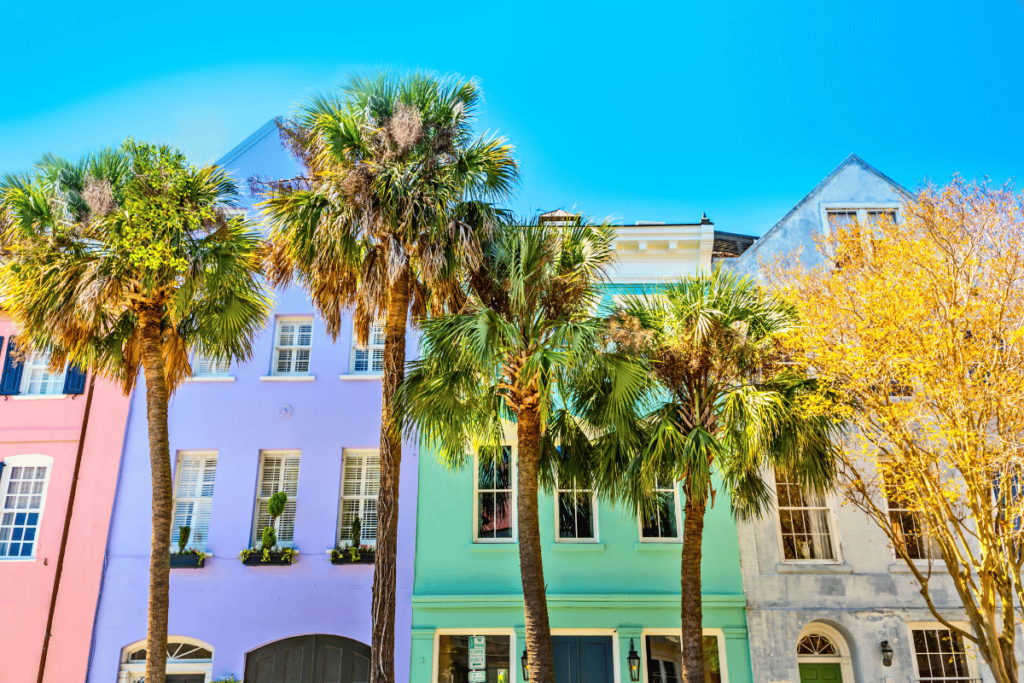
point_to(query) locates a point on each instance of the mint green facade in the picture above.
(617, 586)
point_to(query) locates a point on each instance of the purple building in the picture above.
(303, 417)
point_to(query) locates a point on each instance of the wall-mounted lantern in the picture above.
(634, 662)
(886, 653)
(526, 665)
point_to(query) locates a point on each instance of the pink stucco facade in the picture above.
(52, 426)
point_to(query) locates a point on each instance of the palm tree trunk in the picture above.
(692, 642)
(535, 601)
(382, 639)
(150, 319)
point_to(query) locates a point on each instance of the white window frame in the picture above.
(926, 539)
(594, 517)
(297, 320)
(833, 528)
(370, 347)
(515, 665)
(40, 361)
(198, 500)
(513, 470)
(257, 531)
(129, 672)
(970, 654)
(220, 373)
(861, 208)
(342, 538)
(26, 460)
(718, 633)
(679, 520)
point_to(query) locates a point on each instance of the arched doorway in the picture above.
(188, 661)
(823, 655)
(317, 658)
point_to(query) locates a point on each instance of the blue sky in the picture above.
(637, 111)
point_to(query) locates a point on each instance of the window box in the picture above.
(276, 557)
(194, 560)
(344, 556)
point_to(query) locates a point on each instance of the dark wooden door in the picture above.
(316, 658)
(583, 659)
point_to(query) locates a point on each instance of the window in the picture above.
(369, 360)
(841, 220)
(940, 655)
(805, 521)
(279, 471)
(495, 497)
(23, 490)
(204, 366)
(193, 497)
(359, 489)
(37, 380)
(291, 346)
(453, 658)
(663, 523)
(816, 645)
(187, 659)
(665, 659)
(576, 513)
(908, 528)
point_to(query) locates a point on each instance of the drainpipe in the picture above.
(67, 528)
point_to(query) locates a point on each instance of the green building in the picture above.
(612, 578)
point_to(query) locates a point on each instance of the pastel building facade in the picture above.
(824, 587)
(612, 578)
(301, 417)
(46, 433)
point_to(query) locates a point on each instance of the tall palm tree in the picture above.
(525, 349)
(129, 260)
(723, 399)
(386, 219)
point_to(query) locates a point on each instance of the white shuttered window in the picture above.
(369, 360)
(359, 487)
(291, 346)
(193, 497)
(279, 471)
(203, 366)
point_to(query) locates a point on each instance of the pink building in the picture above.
(50, 561)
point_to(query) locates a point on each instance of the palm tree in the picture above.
(129, 260)
(723, 398)
(384, 222)
(525, 349)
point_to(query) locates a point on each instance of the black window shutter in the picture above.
(10, 381)
(74, 380)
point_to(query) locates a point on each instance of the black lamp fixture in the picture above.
(634, 662)
(526, 665)
(886, 653)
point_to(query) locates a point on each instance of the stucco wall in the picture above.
(52, 427)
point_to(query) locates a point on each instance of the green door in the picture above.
(820, 673)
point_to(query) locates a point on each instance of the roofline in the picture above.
(846, 162)
(736, 234)
(242, 147)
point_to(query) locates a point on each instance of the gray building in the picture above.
(824, 588)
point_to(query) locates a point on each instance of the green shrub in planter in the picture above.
(356, 532)
(269, 537)
(183, 534)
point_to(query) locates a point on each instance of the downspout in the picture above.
(67, 529)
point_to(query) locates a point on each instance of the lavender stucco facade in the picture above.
(226, 608)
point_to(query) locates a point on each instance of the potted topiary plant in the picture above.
(268, 553)
(187, 558)
(354, 552)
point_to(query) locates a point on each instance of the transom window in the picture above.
(23, 488)
(815, 644)
(175, 651)
(576, 510)
(359, 489)
(495, 497)
(663, 523)
(369, 359)
(805, 521)
(941, 656)
(187, 660)
(291, 346)
(193, 497)
(279, 471)
(204, 366)
(36, 378)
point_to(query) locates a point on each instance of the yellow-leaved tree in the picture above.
(915, 331)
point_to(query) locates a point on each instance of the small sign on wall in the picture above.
(477, 653)
(477, 677)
